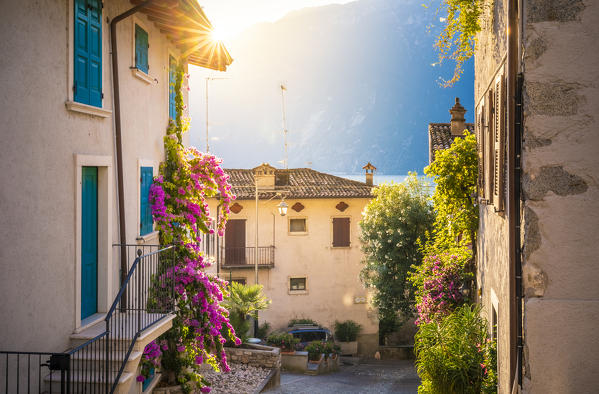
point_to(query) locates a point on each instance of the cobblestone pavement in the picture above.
(372, 376)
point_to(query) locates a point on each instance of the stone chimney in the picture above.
(370, 169)
(458, 122)
(264, 175)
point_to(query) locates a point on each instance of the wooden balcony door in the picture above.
(235, 242)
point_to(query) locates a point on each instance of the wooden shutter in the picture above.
(488, 125)
(141, 49)
(87, 78)
(480, 148)
(172, 69)
(341, 232)
(235, 242)
(145, 214)
(499, 141)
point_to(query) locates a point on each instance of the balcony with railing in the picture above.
(245, 257)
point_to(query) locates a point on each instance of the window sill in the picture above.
(142, 239)
(341, 247)
(137, 73)
(297, 292)
(293, 233)
(88, 109)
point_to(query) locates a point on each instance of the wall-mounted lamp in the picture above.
(282, 208)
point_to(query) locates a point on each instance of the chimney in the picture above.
(458, 123)
(264, 176)
(370, 169)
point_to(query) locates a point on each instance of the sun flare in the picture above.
(219, 34)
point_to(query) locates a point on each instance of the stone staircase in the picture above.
(88, 365)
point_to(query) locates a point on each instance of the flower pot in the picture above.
(349, 348)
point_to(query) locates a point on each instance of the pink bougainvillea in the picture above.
(179, 201)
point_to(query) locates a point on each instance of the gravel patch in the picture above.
(241, 378)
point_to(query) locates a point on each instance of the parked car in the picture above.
(307, 333)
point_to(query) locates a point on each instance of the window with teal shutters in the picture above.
(145, 214)
(87, 83)
(172, 76)
(141, 49)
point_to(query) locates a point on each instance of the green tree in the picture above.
(457, 40)
(392, 224)
(455, 172)
(242, 302)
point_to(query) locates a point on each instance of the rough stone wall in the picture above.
(560, 186)
(255, 357)
(492, 243)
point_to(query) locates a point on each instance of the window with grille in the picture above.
(297, 284)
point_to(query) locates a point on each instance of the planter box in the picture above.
(349, 348)
(295, 362)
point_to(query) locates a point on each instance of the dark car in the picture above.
(307, 333)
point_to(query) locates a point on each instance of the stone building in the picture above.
(87, 94)
(537, 100)
(309, 260)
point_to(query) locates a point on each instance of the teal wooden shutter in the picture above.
(172, 76)
(88, 52)
(141, 49)
(145, 214)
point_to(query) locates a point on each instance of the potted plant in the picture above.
(315, 351)
(283, 340)
(346, 333)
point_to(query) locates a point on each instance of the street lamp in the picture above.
(282, 208)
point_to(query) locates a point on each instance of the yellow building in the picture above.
(308, 260)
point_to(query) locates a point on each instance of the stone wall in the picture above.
(560, 210)
(255, 355)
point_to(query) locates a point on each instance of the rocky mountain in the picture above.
(361, 86)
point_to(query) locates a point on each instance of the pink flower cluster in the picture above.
(179, 202)
(150, 358)
(441, 291)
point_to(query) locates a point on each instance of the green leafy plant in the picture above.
(301, 320)
(315, 349)
(283, 340)
(347, 331)
(393, 222)
(263, 330)
(452, 355)
(244, 301)
(457, 40)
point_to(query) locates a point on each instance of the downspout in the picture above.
(513, 189)
(117, 133)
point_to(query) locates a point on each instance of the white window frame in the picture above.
(296, 233)
(70, 103)
(105, 271)
(297, 292)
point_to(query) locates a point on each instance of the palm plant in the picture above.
(242, 302)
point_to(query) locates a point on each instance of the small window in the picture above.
(241, 281)
(341, 232)
(141, 49)
(494, 324)
(145, 214)
(297, 284)
(297, 225)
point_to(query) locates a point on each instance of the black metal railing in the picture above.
(246, 256)
(97, 364)
(32, 372)
(149, 289)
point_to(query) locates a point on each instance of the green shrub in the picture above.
(283, 340)
(347, 331)
(263, 330)
(455, 356)
(301, 320)
(315, 349)
(243, 301)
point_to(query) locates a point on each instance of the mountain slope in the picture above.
(360, 82)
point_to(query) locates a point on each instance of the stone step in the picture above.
(83, 360)
(84, 383)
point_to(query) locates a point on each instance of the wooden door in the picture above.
(235, 242)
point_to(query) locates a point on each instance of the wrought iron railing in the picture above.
(246, 257)
(149, 289)
(96, 365)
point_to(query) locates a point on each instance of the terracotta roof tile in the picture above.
(440, 137)
(303, 183)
